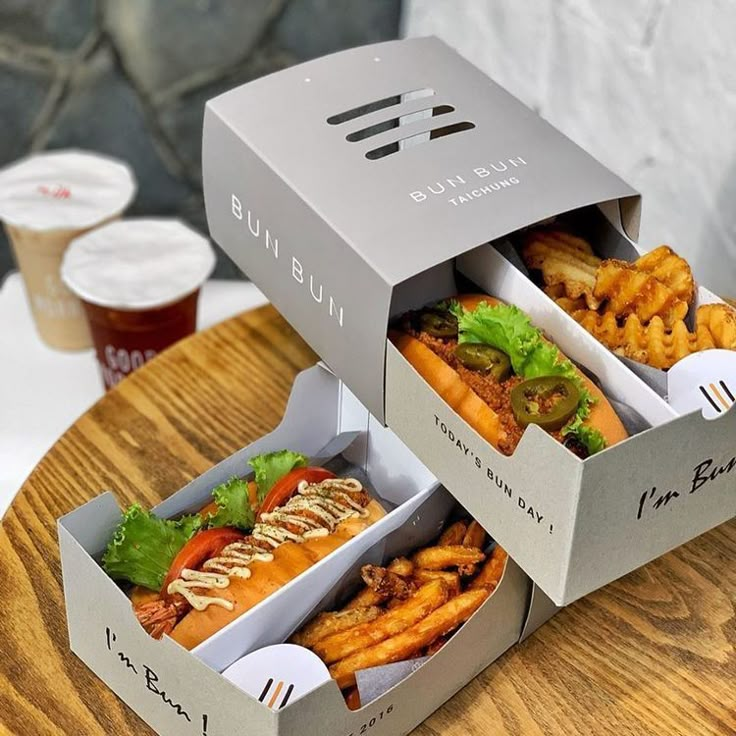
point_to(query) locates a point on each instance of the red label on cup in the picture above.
(56, 191)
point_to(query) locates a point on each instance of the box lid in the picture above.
(368, 167)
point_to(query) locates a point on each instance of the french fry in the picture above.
(402, 567)
(352, 699)
(409, 642)
(436, 645)
(414, 609)
(491, 572)
(392, 603)
(386, 583)
(439, 558)
(326, 624)
(451, 579)
(365, 598)
(453, 534)
(475, 537)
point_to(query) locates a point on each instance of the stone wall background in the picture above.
(646, 86)
(130, 78)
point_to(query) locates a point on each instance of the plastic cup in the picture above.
(46, 201)
(138, 281)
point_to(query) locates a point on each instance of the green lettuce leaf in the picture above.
(271, 466)
(507, 328)
(144, 546)
(589, 437)
(504, 327)
(233, 505)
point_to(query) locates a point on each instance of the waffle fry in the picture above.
(563, 260)
(627, 290)
(573, 241)
(654, 344)
(568, 304)
(333, 648)
(637, 309)
(669, 268)
(720, 321)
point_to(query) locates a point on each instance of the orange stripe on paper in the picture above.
(276, 693)
(720, 398)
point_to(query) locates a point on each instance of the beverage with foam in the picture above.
(47, 200)
(138, 281)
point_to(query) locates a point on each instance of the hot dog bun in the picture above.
(446, 381)
(450, 386)
(289, 560)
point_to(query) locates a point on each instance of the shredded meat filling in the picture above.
(496, 395)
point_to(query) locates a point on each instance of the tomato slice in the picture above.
(283, 489)
(198, 549)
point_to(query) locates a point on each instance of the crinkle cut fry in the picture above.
(563, 261)
(720, 321)
(669, 268)
(625, 291)
(654, 344)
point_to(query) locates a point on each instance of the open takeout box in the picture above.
(354, 187)
(182, 692)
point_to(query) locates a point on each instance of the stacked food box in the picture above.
(469, 277)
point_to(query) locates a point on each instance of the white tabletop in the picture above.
(42, 391)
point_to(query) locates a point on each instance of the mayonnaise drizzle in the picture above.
(195, 579)
(327, 503)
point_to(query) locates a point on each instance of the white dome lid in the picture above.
(64, 190)
(137, 263)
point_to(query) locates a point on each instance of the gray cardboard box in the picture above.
(181, 692)
(356, 186)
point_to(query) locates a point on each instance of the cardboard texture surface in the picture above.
(402, 203)
(181, 692)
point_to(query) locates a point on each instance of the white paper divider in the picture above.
(704, 381)
(278, 674)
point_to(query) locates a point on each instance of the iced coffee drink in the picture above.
(138, 281)
(46, 201)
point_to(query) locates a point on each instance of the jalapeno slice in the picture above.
(438, 324)
(485, 359)
(548, 401)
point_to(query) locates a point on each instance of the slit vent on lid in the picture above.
(385, 102)
(417, 139)
(411, 117)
